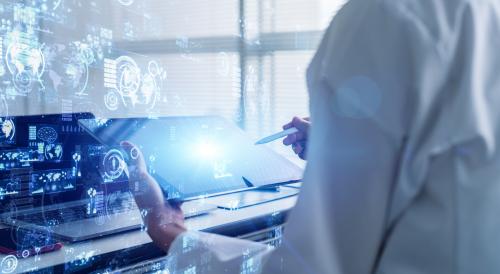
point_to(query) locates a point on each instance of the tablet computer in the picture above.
(193, 157)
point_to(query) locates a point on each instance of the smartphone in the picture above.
(26, 242)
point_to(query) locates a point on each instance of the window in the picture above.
(259, 83)
(244, 60)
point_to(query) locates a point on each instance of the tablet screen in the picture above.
(197, 156)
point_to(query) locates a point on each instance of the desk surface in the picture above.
(219, 221)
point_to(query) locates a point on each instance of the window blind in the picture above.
(283, 36)
(244, 60)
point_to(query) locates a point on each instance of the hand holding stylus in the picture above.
(277, 136)
(298, 140)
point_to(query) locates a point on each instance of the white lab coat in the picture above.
(403, 171)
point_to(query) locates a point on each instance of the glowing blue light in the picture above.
(206, 150)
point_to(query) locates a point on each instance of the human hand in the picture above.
(164, 221)
(298, 140)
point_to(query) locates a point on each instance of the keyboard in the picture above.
(72, 214)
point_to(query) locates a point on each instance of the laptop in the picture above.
(64, 173)
(55, 177)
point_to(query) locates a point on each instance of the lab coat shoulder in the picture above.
(465, 111)
(412, 68)
(438, 19)
(372, 59)
(399, 63)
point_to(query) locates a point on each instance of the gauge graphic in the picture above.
(154, 68)
(138, 89)
(23, 81)
(9, 264)
(129, 76)
(134, 153)
(113, 164)
(25, 254)
(112, 100)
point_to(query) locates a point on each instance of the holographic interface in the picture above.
(72, 71)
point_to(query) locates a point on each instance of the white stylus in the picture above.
(277, 136)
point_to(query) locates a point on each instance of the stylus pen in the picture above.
(277, 136)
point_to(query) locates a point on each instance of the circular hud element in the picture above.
(23, 82)
(113, 164)
(154, 68)
(138, 91)
(112, 100)
(25, 253)
(9, 264)
(26, 63)
(134, 153)
(129, 76)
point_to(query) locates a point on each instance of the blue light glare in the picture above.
(206, 150)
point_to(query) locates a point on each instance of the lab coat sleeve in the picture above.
(360, 83)
(209, 253)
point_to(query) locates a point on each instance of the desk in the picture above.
(129, 248)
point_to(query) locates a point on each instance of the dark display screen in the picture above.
(50, 159)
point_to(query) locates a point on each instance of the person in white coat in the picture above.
(403, 152)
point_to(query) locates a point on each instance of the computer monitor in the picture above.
(46, 160)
